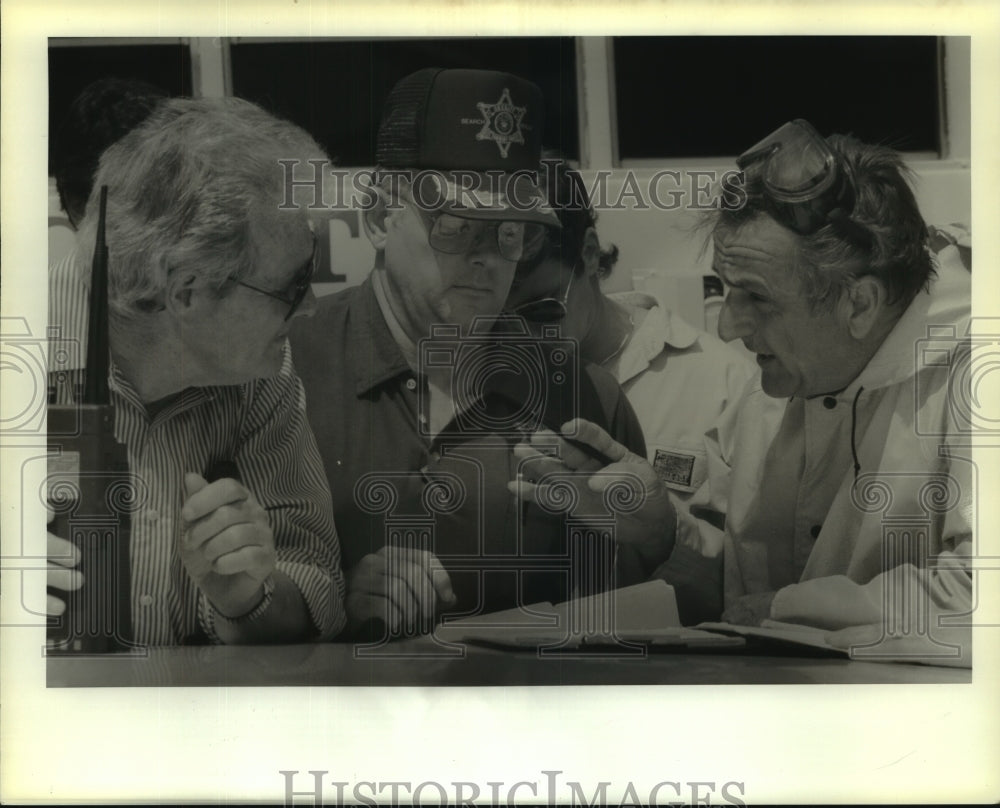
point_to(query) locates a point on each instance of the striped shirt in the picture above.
(260, 426)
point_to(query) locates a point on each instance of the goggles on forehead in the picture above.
(455, 235)
(801, 177)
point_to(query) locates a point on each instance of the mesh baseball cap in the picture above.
(447, 124)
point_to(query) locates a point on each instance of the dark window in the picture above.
(715, 96)
(73, 67)
(335, 89)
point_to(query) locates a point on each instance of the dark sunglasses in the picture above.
(801, 177)
(297, 290)
(456, 235)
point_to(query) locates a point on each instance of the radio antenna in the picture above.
(96, 390)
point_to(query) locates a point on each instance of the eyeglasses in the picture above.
(455, 235)
(547, 309)
(801, 177)
(297, 289)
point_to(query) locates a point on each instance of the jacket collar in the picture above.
(660, 328)
(938, 318)
(375, 356)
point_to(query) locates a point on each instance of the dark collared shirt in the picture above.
(393, 483)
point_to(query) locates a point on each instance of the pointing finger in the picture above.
(596, 438)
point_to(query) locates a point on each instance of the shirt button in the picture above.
(152, 515)
(146, 600)
(422, 418)
(829, 402)
(411, 384)
(814, 530)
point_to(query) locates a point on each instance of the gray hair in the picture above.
(186, 192)
(885, 236)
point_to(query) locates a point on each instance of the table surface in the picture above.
(421, 661)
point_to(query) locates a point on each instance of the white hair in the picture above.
(186, 191)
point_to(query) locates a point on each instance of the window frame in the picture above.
(211, 74)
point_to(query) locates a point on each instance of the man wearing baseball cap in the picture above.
(417, 392)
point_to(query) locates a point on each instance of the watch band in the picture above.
(255, 613)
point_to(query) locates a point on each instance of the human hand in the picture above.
(63, 556)
(400, 586)
(646, 517)
(227, 546)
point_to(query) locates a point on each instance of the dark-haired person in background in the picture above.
(100, 115)
(678, 379)
(859, 331)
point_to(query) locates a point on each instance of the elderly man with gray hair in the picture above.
(207, 270)
(849, 508)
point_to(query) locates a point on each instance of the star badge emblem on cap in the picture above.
(502, 122)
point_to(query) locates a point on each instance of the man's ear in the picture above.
(373, 220)
(183, 294)
(865, 303)
(590, 254)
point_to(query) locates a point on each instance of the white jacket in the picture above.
(803, 522)
(678, 380)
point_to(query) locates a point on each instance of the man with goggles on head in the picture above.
(457, 207)
(831, 284)
(678, 379)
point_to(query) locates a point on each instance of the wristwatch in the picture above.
(212, 614)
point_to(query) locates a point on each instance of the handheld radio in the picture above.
(91, 492)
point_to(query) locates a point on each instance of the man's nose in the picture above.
(484, 246)
(735, 321)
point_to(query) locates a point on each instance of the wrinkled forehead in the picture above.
(758, 245)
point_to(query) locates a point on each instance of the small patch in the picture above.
(674, 468)
(502, 122)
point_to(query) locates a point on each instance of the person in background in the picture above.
(860, 332)
(677, 379)
(417, 431)
(100, 115)
(206, 275)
